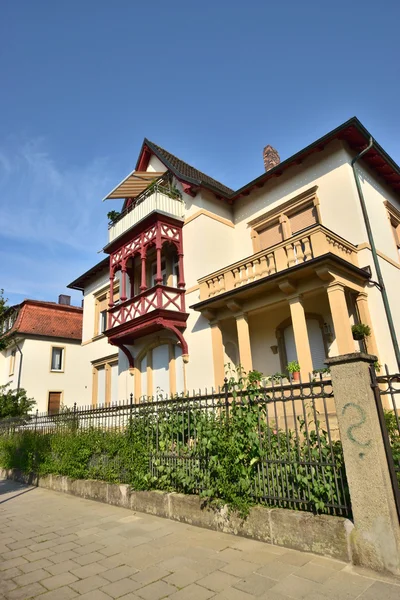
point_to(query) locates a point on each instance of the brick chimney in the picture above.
(64, 299)
(271, 158)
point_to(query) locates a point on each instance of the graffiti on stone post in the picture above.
(358, 424)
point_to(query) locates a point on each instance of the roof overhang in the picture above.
(357, 137)
(80, 283)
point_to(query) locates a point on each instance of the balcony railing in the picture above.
(155, 198)
(298, 249)
(157, 297)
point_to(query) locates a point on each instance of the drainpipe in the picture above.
(375, 256)
(20, 365)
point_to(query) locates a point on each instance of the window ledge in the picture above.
(98, 337)
(56, 370)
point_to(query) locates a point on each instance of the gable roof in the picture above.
(352, 132)
(183, 170)
(47, 319)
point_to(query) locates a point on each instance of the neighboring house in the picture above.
(276, 271)
(44, 353)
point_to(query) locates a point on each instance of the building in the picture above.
(201, 275)
(44, 353)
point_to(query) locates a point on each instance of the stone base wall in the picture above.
(320, 534)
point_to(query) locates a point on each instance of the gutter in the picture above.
(371, 240)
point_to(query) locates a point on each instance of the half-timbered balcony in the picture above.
(157, 298)
(157, 198)
(300, 248)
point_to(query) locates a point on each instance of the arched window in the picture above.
(160, 370)
(316, 339)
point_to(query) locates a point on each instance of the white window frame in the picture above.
(62, 366)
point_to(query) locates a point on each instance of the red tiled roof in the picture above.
(48, 319)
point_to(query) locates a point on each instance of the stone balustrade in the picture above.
(300, 248)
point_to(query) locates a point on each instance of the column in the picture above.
(340, 318)
(143, 285)
(111, 295)
(218, 354)
(123, 282)
(181, 280)
(365, 317)
(243, 333)
(158, 274)
(301, 340)
(375, 539)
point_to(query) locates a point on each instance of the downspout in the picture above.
(375, 256)
(20, 365)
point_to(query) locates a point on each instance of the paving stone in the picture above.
(182, 577)
(93, 547)
(254, 584)
(240, 568)
(33, 556)
(229, 555)
(88, 584)
(31, 577)
(296, 587)
(218, 581)
(59, 580)
(62, 593)
(13, 562)
(379, 589)
(88, 558)
(150, 575)
(6, 585)
(110, 550)
(232, 594)
(121, 587)
(336, 565)
(119, 573)
(192, 592)
(63, 567)
(28, 591)
(59, 558)
(43, 546)
(10, 573)
(95, 595)
(112, 561)
(345, 586)
(315, 572)
(156, 591)
(277, 570)
(87, 570)
(298, 559)
(15, 553)
(65, 547)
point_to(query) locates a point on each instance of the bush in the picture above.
(14, 403)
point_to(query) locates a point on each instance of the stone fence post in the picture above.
(375, 539)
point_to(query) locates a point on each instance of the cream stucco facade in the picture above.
(276, 273)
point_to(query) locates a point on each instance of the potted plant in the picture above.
(360, 331)
(293, 368)
(113, 216)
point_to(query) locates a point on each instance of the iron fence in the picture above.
(387, 395)
(282, 440)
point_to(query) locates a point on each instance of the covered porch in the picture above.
(303, 315)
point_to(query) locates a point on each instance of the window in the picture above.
(12, 362)
(57, 359)
(394, 218)
(54, 403)
(103, 321)
(396, 233)
(270, 235)
(175, 271)
(306, 217)
(105, 381)
(286, 220)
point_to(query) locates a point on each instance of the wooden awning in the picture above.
(133, 185)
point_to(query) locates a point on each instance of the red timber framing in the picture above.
(155, 307)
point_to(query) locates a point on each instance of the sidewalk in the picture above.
(57, 547)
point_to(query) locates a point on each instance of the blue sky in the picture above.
(82, 83)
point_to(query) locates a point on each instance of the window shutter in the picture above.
(270, 236)
(302, 219)
(316, 344)
(54, 403)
